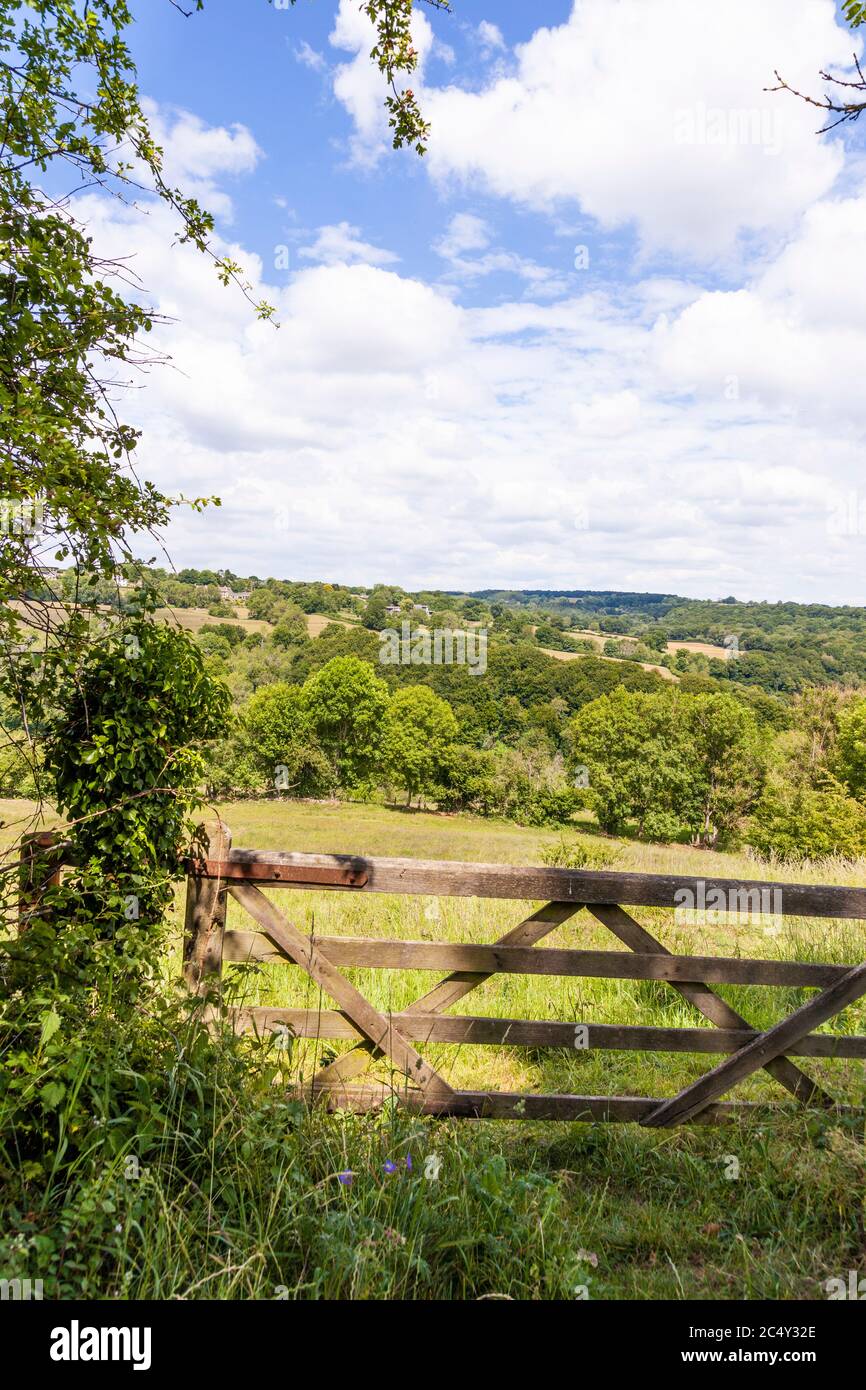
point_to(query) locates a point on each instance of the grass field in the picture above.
(517, 1209)
(194, 619)
(702, 648)
(317, 622)
(374, 830)
(657, 1209)
(645, 665)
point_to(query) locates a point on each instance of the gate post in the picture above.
(38, 870)
(205, 919)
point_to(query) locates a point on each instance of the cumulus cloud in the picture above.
(384, 431)
(198, 157)
(341, 244)
(655, 433)
(465, 232)
(792, 339)
(694, 154)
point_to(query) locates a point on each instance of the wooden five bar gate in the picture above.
(241, 874)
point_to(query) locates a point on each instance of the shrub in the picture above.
(794, 821)
(569, 852)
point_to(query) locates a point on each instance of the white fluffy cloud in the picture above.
(386, 432)
(199, 157)
(794, 338)
(341, 244)
(467, 236)
(659, 433)
(649, 113)
(465, 232)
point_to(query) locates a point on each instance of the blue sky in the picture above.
(603, 335)
(252, 71)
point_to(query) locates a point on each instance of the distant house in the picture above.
(229, 596)
(422, 608)
(393, 608)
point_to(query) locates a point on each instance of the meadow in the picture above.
(258, 1204)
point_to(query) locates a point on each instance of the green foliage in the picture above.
(547, 635)
(394, 52)
(168, 1149)
(469, 781)
(279, 742)
(546, 805)
(261, 603)
(375, 617)
(523, 783)
(784, 648)
(669, 763)
(418, 729)
(794, 821)
(230, 633)
(728, 753)
(291, 627)
(573, 852)
(121, 750)
(637, 755)
(68, 100)
(849, 754)
(18, 776)
(345, 703)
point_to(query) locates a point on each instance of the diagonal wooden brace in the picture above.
(756, 1054)
(710, 1004)
(376, 1027)
(449, 990)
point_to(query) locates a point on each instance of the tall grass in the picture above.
(215, 1183)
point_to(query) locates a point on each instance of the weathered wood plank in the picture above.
(422, 1026)
(288, 876)
(451, 878)
(638, 939)
(509, 1105)
(205, 920)
(452, 988)
(756, 1054)
(377, 1028)
(474, 958)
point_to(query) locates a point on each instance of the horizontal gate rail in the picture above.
(517, 1105)
(526, 1032)
(448, 878)
(225, 872)
(392, 1037)
(390, 954)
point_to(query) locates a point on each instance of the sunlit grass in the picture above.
(517, 1208)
